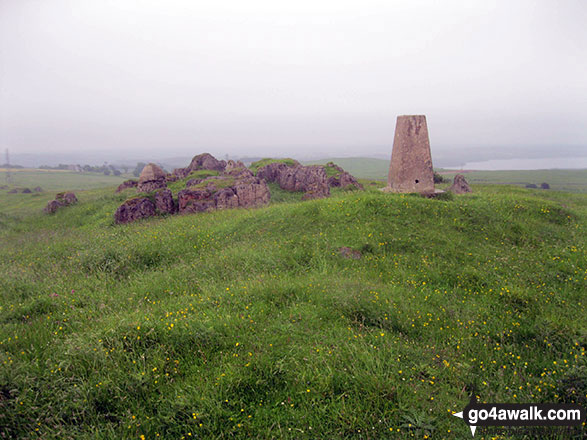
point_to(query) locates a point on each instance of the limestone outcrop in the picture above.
(339, 178)
(223, 192)
(232, 185)
(312, 180)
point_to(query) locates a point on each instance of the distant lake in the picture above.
(525, 164)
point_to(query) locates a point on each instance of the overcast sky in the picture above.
(283, 77)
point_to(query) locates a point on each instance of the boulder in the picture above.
(61, 199)
(135, 209)
(171, 177)
(272, 171)
(206, 161)
(195, 200)
(152, 178)
(342, 178)
(38, 189)
(226, 198)
(26, 191)
(252, 193)
(67, 198)
(164, 202)
(460, 185)
(53, 206)
(181, 173)
(312, 180)
(127, 184)
(237, 170)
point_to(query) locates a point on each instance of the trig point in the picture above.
(411, 163)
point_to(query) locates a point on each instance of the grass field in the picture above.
(250, 324)
(559, 180)
(59, 180)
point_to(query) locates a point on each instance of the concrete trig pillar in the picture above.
(411, 169)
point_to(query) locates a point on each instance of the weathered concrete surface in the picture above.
(411, 169)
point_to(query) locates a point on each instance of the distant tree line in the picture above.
(10, 165)
(105, 169)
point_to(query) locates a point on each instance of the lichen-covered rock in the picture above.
(312, 180)
(252, 193)
(224, 192)
(151, 179)
(127, 184)
(171, 177)
(340, 178)
(195, 200)
(135, 209)
(61, 199)
(226, 198)
(460, 185)
(67, 198)
(181, 173)
(164, 202)
(272, 171)
(53, 206)
(206, 161)
(237, 170)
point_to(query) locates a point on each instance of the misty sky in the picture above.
(272, 77)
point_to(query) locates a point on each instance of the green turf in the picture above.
(254, 167)
(250, 324)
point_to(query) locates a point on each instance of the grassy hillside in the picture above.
(250, 324)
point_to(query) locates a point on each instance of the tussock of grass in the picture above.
(250, 324)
